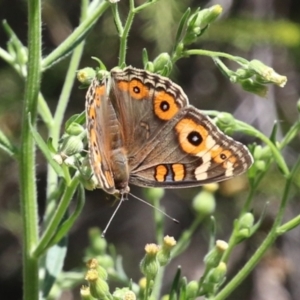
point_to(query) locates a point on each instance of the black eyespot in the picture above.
(136, 90)
(195, 138)
(164, 106)
(223, 156)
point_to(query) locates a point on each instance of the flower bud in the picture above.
(243, 74)
(262, 152)
(266, 74)
(69, 161)
(101, 74)
(164, 254)
(211, 187)
(71, 145)
(149, 66)
(75, 129)
(199, 21)
(124, 294)
(192, 289)
(149, 265)
(155, 193)
(86, 75)
(245, 224)
(246, 221)
(226, 122)
(98, 244)
(163, 64)
(98, 287)
(85, 293)
(260, 165)
(93, 264)
(58, 158)
(204, 203)
(254, 87)
(91, 183)
(217, 275)
(143, 283)
(213, 257)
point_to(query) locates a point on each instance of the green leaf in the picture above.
(182, 25)
(175, 284)
(77, 118)
(45, 150)
(50, 145)
(54, 263)
(67, 225)
(6, 145)
(145, 57)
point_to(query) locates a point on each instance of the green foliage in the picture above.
(69, 172)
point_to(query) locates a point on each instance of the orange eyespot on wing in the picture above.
(193, 138)
(220, 155)
(165, 106)
(135, 88)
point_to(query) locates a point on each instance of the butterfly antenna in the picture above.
(113, 215)
(149, 204)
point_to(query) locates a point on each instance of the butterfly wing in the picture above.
(102, 130)
(187, 151)
(144, 102)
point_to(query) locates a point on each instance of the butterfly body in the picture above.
(142, 130)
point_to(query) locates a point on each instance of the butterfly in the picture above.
(143, 131)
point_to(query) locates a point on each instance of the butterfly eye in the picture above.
(195, 138)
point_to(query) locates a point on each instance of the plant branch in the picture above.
(28, 196)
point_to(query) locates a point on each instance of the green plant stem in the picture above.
(276, 154)
(57, 217)
(117, 19)
(78, 34)
(124, 34)
(28, 195)
(44, 111)
(158, 283)
(291, 134)
(289, 225)
(237, 59)
(246, 206)
(6, 56)
(269, 240)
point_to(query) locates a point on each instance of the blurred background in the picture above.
(266, 30)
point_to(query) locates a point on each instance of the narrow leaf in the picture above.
(44, 148)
